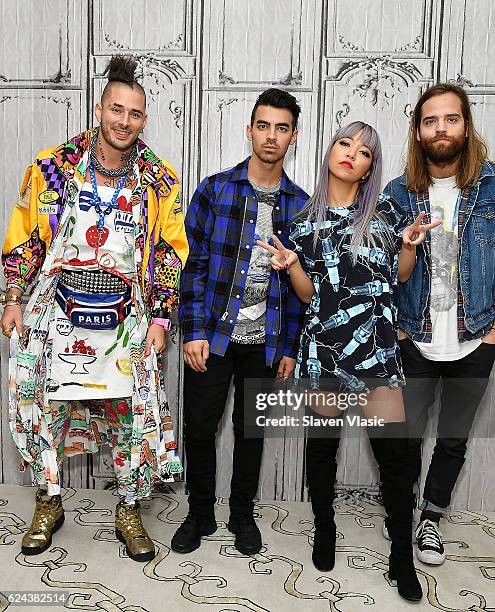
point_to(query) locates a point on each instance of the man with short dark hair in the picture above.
(446, 308)
(100, 216)
(239, 318)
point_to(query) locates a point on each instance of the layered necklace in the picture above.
(104, 208)
(111, 172)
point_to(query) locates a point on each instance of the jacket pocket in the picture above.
(483, 219)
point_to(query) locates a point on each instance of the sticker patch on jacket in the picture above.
(47, 209)
(48, 196)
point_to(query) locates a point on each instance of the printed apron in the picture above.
(94, 363)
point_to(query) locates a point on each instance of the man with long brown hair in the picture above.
(446, 309)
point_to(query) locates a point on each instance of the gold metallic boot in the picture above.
(48, 517)
(129, 529)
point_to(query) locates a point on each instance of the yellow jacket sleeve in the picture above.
(24, 248)
(170, 252)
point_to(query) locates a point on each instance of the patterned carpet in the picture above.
(90, 566)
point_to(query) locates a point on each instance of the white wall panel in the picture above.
(41, 47)
(259, 44)
(381, 26)
(478, 42)
(163, 26)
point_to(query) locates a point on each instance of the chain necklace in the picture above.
(111, 172)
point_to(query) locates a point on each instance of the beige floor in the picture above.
(91, 568)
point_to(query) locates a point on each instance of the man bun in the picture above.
(121, 68)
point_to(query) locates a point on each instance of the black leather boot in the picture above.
(321, 469)
(397, 492)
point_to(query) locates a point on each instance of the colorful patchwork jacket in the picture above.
(44, 190)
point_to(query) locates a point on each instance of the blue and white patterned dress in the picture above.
(349, 337)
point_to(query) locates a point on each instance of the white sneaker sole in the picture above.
(385, 532)
(430, 557)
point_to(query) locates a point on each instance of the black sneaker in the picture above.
(188, 537)
(247, 534)
(430, 546)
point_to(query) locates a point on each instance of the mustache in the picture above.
(440, 137)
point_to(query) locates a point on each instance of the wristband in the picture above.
(165, 323)
(11, 298)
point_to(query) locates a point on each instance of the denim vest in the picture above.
(476, 260)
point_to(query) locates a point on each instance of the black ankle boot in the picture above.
(324, 548)
(321, 468)
(397, 492)
(404, 572)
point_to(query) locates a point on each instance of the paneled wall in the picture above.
(203, 64)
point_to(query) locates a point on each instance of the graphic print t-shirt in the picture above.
(117, 241)
(250, 324)
(445, 346)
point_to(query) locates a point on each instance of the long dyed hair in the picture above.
(366, 197)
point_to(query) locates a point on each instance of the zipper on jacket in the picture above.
(226, 313)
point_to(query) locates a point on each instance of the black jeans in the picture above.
(205, 394)
(464, 382)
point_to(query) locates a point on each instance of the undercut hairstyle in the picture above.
(278, 98)
(121, 69)
(315, 209)
(472, 157)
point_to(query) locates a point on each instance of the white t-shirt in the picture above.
(444, 198)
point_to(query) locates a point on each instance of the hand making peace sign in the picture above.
(415, 234)
(282, 258)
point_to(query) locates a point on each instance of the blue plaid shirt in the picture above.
(220, 224)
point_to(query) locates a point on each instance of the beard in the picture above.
(446, 152)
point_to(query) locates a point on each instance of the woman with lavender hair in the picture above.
(350, 245)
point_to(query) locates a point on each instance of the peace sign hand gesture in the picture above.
(282, 258)
(414, 234)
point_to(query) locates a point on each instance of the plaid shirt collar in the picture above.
(240, 174)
